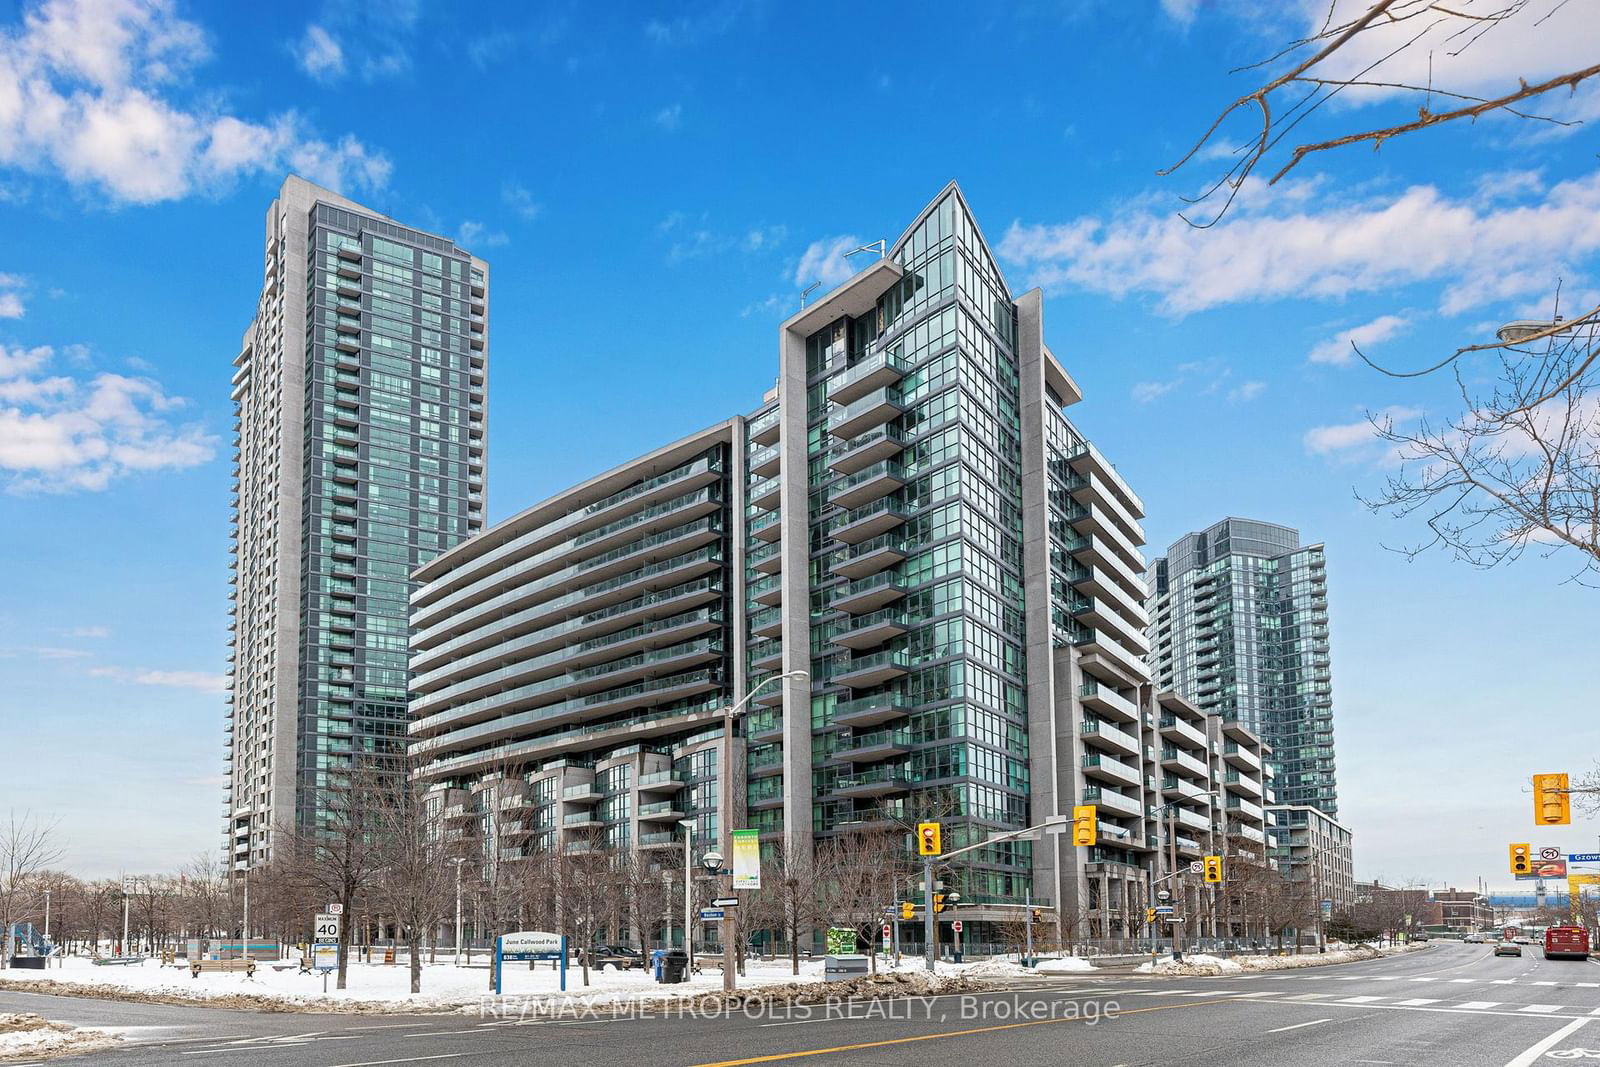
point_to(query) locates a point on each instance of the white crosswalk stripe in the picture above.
(1417, 1002)
(1207, 993)
(1358, 1000)
(1536, 983)
(1595, 1012)
(1540, 1009)
(1453, 981)
(1388, 978)
(1587, 985)
(1502, 981)
(1422, 979)
(1311, 996)
(1479, 1004)
(1266, 993)
(1349, 977)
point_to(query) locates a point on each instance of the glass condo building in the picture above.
(909, 518)
(1240, 626)
(359, 427)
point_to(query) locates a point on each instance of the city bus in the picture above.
(1566, 942)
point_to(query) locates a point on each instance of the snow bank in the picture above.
(1193, 963)
(32, 1037)
(1066, 965)
(1201, 964)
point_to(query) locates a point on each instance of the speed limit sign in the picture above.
(1548, 853)
(326, 928)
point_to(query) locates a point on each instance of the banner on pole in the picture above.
(747, 859)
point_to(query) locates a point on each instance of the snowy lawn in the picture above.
(379, 987)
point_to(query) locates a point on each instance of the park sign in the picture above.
(529, 945)
(325, 957)
(747, 859)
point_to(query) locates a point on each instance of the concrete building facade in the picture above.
(1239, 625)
(1311, 847)
(910, 519)
(358, 396)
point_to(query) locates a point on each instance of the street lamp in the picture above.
(458, 861)
(1171, 829)
(688, 890)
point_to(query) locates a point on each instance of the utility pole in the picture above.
(124, 916)
(458, 861)
(1027, 922)
(930, 926)
(1172, 871)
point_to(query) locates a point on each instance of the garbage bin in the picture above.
(675, 966)
(657, 956)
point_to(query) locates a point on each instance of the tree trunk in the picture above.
(345, 935)
(414, 945)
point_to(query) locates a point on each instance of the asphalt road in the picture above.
(1451, 1004)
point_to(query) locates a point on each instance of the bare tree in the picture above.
(869, 870)
(1519, 469)
(416, 881)
(206, 894)
(793, 898)
(27, 849)
(588, 884)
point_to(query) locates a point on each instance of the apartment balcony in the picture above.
(582, 820)
(581, 794)
(868, 521)
(1238, 782)
(1111, 769)
(350, 271)
(765, 462)
(347, 345)
(1108, 702)
(1250, 833)
(349, 286)
(871, 556)
(875, 745)
(767, 623)
(1235, 728)
(1247, 808)
(766, 591)
(1193, 820)
(764, 428)
(763, 799)
(763, 726)
(1105, 735)
(766, 493)
(1091, 462)
(766, 763)
(874, 783)
(1107, 659)
(662, 782)
(1111, 800)
(868, 594)
(847, 457)
(877, 817)
(766, 655)
(1182, 729)
(872, 629)
(871, 709)
(767, 526)
(1188, 846)
(661, 811)
(350, 254)
(862, 672)
(874, 409)
(765, 557)
(859, 379)
(661, 841)
(871, 483)
(1099, 614)
(1175, 759)
(342, 532)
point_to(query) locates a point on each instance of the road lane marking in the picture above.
(1161, 992)
(1385, 978)
(1479, 1004)
(1209, 993)
(1423, 979)
(1530, 1055)
(1540, 1009)
(1502, 981)
(1358, 1000)
(1296, 1026)
(1595, 1012)
(1417, 1002)
(804, 1053)
(1350, 978)
(1544, 983)
(1311, 996)
(1587, 985)
(407, 1059)
(1274, 993)
(1468, 981)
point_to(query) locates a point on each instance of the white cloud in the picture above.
(320, 54)
(474, 234)
(89, 631)
(1246, 392)
(1182, 11)
(11, 286)
(823, 261)
(1348, 437)
(521, 201)
(93, 91)
(668, 118)
(1145, 392)
(200, 680)
(1301, 238)
(1337, 349)
(60, 433)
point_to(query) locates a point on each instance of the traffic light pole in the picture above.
(930, 922)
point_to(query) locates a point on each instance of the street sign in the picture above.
(712, 914)
(1195, 866)
(325, 957)
(1174, 919)
(725, 902)
(1549, 852)
(1165, 909)
(956, 926)
(1164, 895)
(1584, 857)
(335, 909)
(326, 928)
(529, 945)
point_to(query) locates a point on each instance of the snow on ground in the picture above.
(31, 1037)
(1195, 963)
(1065, 965)
(379, 987)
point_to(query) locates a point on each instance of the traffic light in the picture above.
(1213, 868)
(1084, 830)
(1038, 915)
(938, 903)
(1552, 805)
(1520, 860)
(908, 910)
(928, 839)
(1149, 916)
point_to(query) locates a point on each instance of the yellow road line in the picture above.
(934, 1037)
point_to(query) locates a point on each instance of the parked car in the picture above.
(622, 957)
(1507, 948)
(1473, 939)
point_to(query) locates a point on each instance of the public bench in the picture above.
(197, 967)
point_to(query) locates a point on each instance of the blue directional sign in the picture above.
(708, 914)
(1584, 857)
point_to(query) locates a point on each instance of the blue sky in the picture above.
(652, 188)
